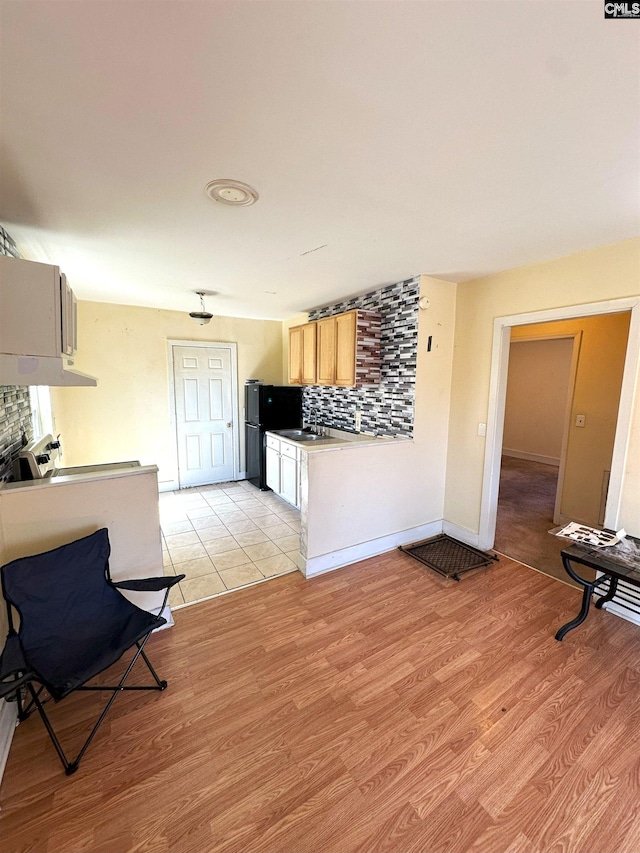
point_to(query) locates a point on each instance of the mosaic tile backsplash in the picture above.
(387, 408)
(15, 407)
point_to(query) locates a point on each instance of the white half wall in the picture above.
(8, 719)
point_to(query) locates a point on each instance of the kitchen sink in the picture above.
(303, 435)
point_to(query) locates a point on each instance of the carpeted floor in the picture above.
(525, 515)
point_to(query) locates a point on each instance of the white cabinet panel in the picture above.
(289, 479)
(289, 450)
(283, 470)
(273, 442)
(273, 469)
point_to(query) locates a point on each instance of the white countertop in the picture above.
(339, 440)
(91, 477)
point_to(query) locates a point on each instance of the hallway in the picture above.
(525, 516)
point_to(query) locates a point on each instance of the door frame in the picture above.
(497, 395)
(235, 430)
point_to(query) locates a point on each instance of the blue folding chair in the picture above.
(73, 625)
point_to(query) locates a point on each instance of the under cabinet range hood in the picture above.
(39, 370)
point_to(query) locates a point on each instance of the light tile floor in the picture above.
(224, 537)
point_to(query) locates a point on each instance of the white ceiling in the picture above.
(385, 139)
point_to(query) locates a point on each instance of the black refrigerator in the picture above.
(267, 407)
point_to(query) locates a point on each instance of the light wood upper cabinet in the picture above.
(342, 350)
(326, 373)
(295, 355)
(302, 354)
(346, 326)
(309, 339)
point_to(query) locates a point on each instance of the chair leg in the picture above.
(74, 764)
(70, 767)
(161, 684)
(22, 715)
(54, 738)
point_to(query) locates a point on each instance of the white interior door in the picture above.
(204, 410)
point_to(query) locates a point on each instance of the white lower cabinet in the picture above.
(273, 466)
(289, 474)
(283, 469)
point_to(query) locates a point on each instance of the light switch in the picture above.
(482, 429)
(580, 419)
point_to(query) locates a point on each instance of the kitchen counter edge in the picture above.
(48, 482)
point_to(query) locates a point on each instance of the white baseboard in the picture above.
(462, 534)
(629, 593)
(8, 717)
(344, 557)
(531, 457)
(629, 615)
(166, 613)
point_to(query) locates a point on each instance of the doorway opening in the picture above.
(540, 388)
(577, 503)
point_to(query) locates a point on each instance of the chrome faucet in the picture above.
(318, 430)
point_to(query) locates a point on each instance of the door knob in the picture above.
(229, 425)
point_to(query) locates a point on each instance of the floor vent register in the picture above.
(447, 556)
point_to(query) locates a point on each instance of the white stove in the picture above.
(39, 459)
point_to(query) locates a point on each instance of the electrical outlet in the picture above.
(358, 420)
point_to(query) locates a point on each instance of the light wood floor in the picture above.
(377, 708)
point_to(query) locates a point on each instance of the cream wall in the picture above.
(128, 415)
(596, 394)
(535, 407)
(602, 274)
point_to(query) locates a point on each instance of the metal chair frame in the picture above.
(20, 687)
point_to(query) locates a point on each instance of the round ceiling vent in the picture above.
(228, 191)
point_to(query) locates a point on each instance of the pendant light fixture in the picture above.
(202, 317)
